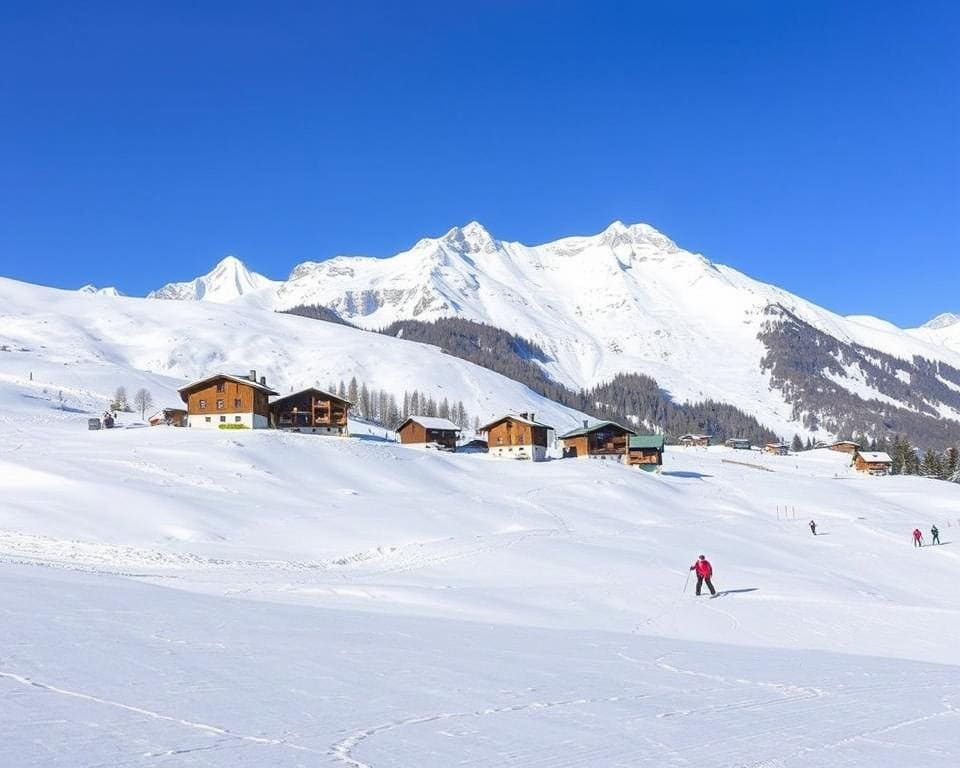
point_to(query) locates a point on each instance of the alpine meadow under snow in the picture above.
(201, 598)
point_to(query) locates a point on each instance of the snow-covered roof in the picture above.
(875, 457)
(694, 437)
(322, 392)
(432, 422)
(587, 429)
(229, 377)
(522, 418)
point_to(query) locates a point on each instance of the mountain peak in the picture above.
(943, 320)
(229, 279)
(472, 237)
(108, 291)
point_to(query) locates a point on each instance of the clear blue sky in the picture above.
(815, 145)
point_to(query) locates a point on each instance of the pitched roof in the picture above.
(875, 457)
(431, 422)
(319, 391)
(228, 377)
(515, 417)
(694, 437)
(594, 427)
(647, 441)
(845, 442)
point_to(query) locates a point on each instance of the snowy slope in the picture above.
(944, 329)
(109, 291)
(227, 281)
(291, 600)
(84, 346)
(625, 300)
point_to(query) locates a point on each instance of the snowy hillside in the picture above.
(84, 346)
(289, 600)
(625, 300)
(944, 329)
(227, 281)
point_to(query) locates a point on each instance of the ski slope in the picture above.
(175, 597)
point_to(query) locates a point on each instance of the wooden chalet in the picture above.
(171, 417)
(872, 462)
(694, 441)
(429, 431)
(228, 402)
(845, 446)
(646, 452)
(601, 440)
(738, 444)
(311, 410)
(778, 449)
(517, 436)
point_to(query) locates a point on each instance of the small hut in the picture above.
(845, 446)
(171, 417)
(646, 452)
(777, 449)
(694, 441)
(872, 462)
(738, 444)
(311, 410)
(429, 431)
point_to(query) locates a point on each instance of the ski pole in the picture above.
(686, 583)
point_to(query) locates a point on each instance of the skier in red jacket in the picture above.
(917, 537)
(704, 572)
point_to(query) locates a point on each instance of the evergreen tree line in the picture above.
(384, 409)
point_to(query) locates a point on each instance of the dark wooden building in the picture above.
(694, 441)
(228, 402)
(311, 410)
(646, 452)
(518, 436)
(845, 446)
(171, 417)
(429, 431)
(601, 440)
(738, 444)
(872, 462)
(778, 449)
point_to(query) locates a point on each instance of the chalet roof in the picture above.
(322, 392)
(694, 437)
(594, 427)
(515, 417)
(431, 422)
(875, 457)
(846, 442)
(776, 445)
(187, 388)
(647, 441)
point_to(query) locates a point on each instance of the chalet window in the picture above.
(219, 405)
(237, 418)
(203, 405)
(237, 402)
(223, 418)
(206, 419)
(220, 386)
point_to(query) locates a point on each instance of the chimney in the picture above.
(584, 423)
(532, 414)
(263, 381)
(524, 415)
(253, 376)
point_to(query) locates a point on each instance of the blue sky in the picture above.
(815, 145)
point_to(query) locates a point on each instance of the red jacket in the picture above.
(703, 568)
(917, 534)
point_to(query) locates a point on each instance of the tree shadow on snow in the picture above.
(693, 475)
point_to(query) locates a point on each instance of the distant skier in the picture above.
(813, 527)
(704, 572)
(917, 538)
(935, 535)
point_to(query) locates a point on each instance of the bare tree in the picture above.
(143, 400)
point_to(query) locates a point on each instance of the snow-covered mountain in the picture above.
(630, 300)
(108, 291)
(61, 348)
(227, 281)
(944, 329)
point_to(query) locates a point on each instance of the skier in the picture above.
(813, 527)
(704, 571)
(917, 538)
(935, 535)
